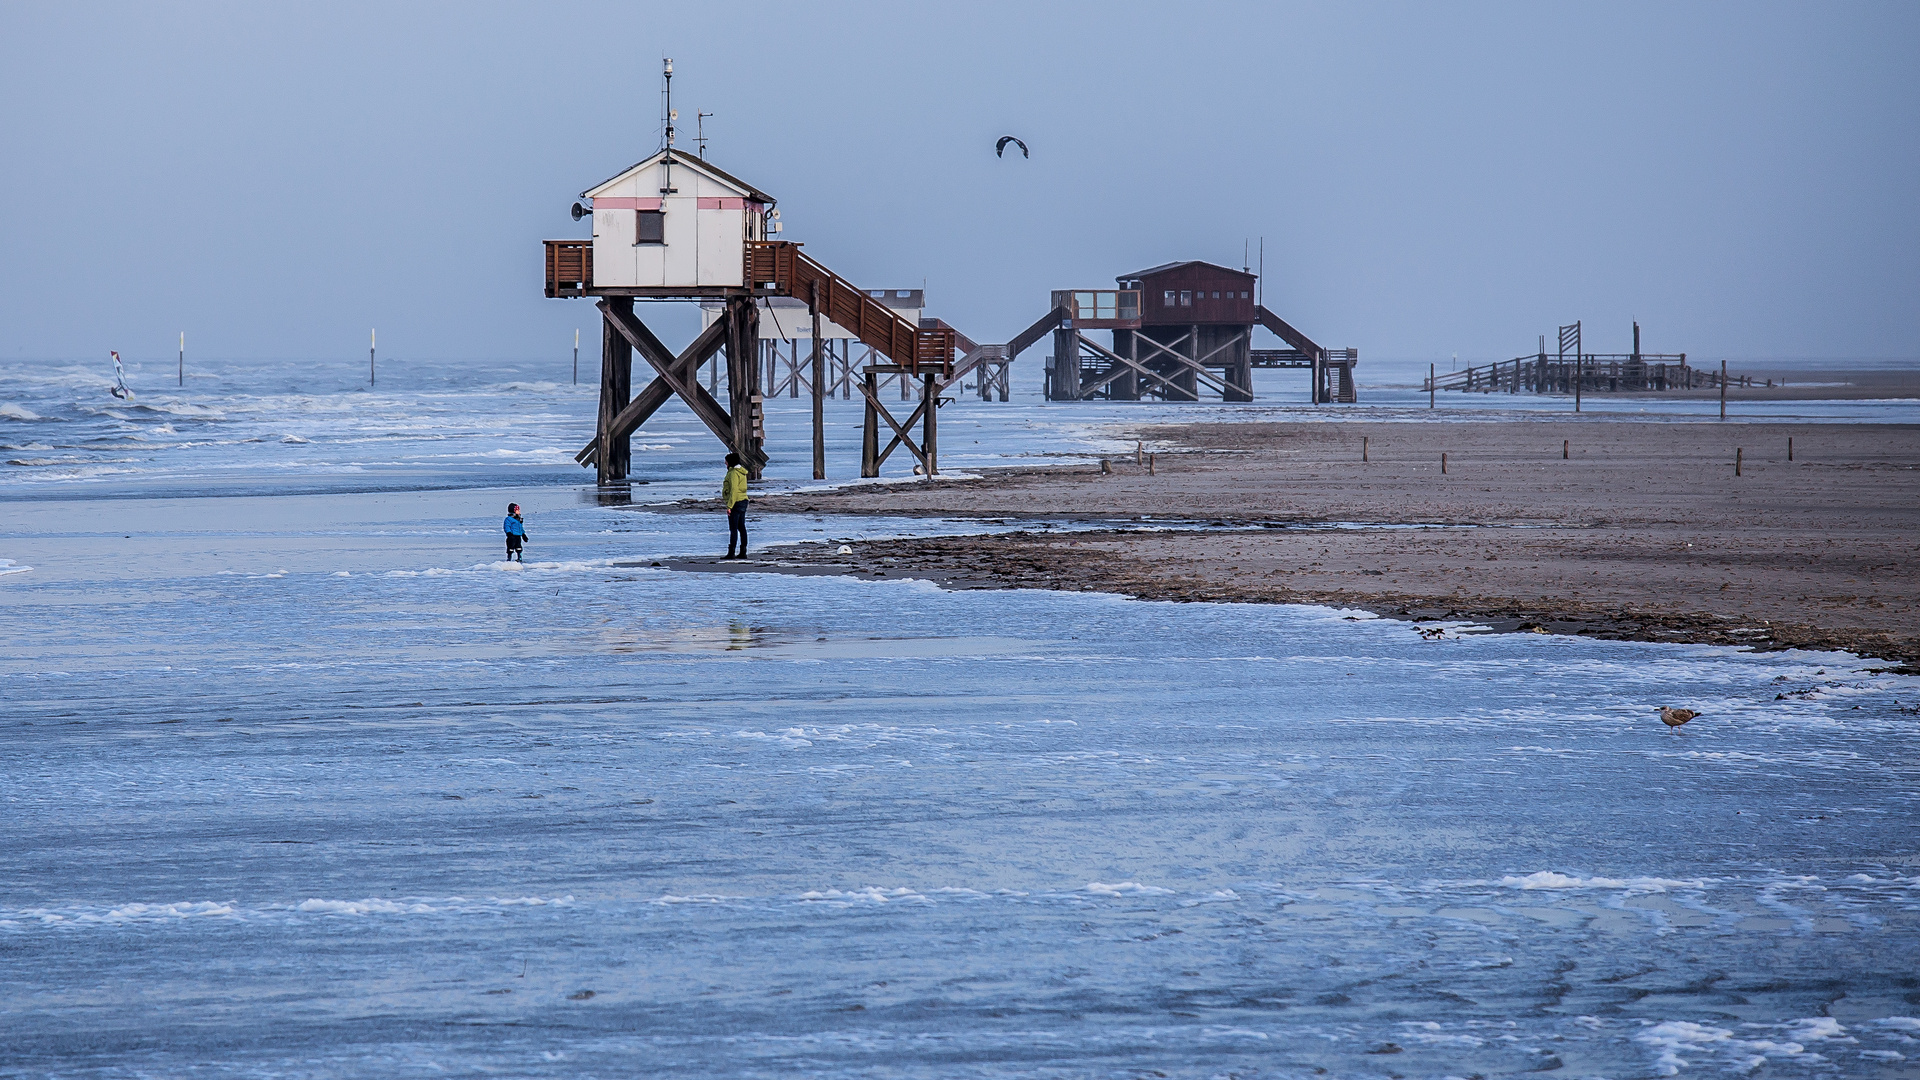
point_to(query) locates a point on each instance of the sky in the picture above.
(1428, 179)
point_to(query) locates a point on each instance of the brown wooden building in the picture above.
(1179, 329)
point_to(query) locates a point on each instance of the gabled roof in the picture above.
(689, 162)
(1164, 267)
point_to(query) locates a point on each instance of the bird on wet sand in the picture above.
(1673, 717)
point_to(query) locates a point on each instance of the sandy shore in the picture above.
(1642, 531)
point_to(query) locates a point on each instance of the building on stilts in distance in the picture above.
(1180, 330)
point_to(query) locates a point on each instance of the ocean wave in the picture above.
(185, 911)
(1548, 879)
(18, 412)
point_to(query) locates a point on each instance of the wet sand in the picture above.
(1642, 531)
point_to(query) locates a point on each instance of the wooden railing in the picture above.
(569, 267)
(779, 268)
(1551, 373)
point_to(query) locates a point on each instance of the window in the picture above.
(1186, 298)
(1216, 294)
(650, 227)
(1169, 298)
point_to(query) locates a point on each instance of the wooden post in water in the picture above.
(929, 426)
(372, 337)
(870, 430)
(1723, 389)
(183, 359)
(1430, 370)
(576, 356)
(819, 390)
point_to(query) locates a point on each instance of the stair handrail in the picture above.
(780, 268)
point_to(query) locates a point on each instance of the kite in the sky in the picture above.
(1000, 148)
(120, 389)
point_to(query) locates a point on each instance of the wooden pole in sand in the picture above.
(1443, 463)
(929, 422)
(1789, 446)
(1363, 448)
(1723, 389)
(819, 390)
(1738, 453)
(1430, 371)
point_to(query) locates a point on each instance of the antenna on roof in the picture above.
(666, 94)
(700, 131)
(667, 115)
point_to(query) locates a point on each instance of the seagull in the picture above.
(1673, 717)
(1000, 148)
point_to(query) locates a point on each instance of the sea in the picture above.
(301, 779)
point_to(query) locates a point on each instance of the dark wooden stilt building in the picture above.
(1181, 331)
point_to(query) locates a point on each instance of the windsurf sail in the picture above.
(120, 388)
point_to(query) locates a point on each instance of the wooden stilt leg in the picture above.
(743, 374)
(615, 457)
(870, 431)
(929, 427)
(819, 391)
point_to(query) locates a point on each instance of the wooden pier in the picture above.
(1572, 371)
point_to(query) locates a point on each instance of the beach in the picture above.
(1641, 530)
(305, 779)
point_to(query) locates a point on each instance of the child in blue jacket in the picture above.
(516, 529)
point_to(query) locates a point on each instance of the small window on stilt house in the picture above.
(650, 227)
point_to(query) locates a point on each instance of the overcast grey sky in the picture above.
(277, 178)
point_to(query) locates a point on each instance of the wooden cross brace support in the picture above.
(1123, 364)
(676, 376)
(900, 436)
(1197, 366)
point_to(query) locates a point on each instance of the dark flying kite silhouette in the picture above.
(1000, 148)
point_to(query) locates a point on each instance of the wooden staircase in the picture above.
(780, 268)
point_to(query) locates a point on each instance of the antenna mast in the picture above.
(700, 131)
(666, 94)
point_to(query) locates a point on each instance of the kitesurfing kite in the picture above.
(120, 389)
(1000, 148)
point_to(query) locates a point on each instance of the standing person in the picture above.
(516, 528)
(733, 492)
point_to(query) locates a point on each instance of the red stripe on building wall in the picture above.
(626, 204)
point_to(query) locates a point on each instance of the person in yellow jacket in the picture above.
(733, 492)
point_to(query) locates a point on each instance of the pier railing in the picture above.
(569, 267)
(1550, 373)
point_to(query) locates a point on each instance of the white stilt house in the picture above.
(674, 227)
(674, 222)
